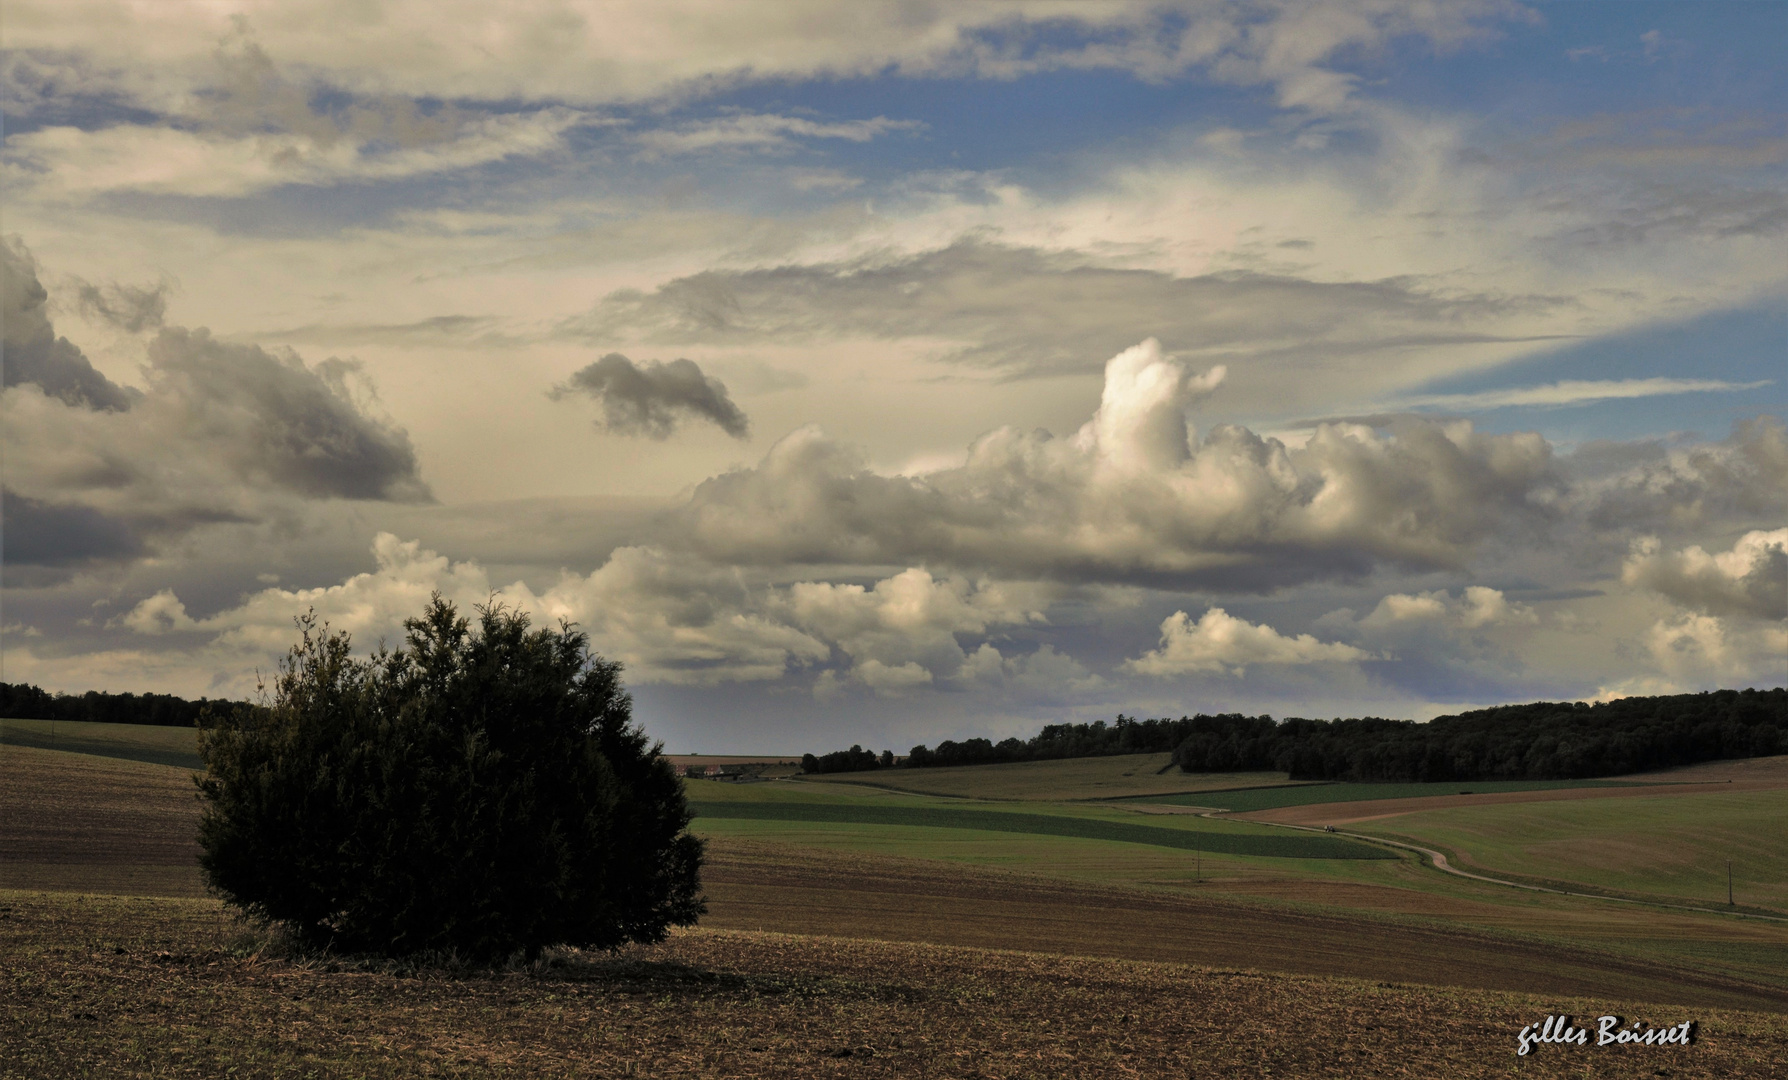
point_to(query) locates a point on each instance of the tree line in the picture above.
(22, 701)
(1539, 741)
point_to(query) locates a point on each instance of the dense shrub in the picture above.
(480, 792)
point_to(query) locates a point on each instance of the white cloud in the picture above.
(1577, 392)
(67, 161)
(160, 614)
(1659, 487)
(1476, 607)
(588, 51)
(1132, 496)
(670, 619)
(759, 131)
(1703, 650)
(1219, 641)
(1749, 580)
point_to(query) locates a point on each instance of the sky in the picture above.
(886, 373)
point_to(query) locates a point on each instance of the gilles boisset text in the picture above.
(1558, 1029)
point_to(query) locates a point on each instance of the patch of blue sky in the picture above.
(1052, 131)
(1742, 347)
(1593, 58)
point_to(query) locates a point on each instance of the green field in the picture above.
(134, 742)
(1671, 847)
(1116, 777)
(1272, 798)
(1265, 844)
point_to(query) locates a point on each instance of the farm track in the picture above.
(1439, 862)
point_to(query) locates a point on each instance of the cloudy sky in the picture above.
(886, 373)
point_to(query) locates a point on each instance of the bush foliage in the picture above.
(479, 792)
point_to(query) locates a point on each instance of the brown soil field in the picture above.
(110, 987)
(1772, 770)
(771, 887)
(1346, 813)
(76, 821)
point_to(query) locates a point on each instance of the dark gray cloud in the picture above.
(33, 354)
(652, 399)
(100, 475)
(39, 533)
(132, 308)
(1021, 311)
(282, 423)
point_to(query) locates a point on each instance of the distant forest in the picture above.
(22, 701)
(1541, 741)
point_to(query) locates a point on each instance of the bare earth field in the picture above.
(115, 987)
(76, 821)
(777, 888)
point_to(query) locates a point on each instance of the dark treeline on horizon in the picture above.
(22, 701)
(1539, 741)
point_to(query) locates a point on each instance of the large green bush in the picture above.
(477, 791)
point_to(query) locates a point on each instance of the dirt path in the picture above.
(1440, 863)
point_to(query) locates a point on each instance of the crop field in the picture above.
(1115, 777)
(133, 742)
(1272, 798)
(1674, 846)
(1283, 846)
(106, 986)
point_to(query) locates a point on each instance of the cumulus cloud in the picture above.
(677, 620)
(1653, 486)
(653, 398)
(1750, 580)
(1705, 650)
(902, 631)
(1476, 607)
(1220, 642)
(160, 614)
(223, 432)
(34, 355)
(1132, 496)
